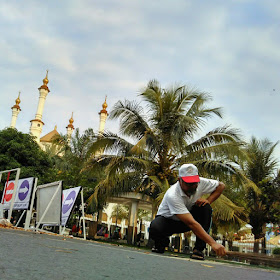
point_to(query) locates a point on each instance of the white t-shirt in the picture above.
(175, 201)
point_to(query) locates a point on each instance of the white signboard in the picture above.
(69, 197)
(1, 211)
(23, 194)
(49, 203)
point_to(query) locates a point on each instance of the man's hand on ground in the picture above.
(202, 202)
(219, 249)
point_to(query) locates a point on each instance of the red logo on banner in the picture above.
(9, 192)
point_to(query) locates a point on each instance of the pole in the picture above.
(117, 216)
(1, 205)
(6, 185)
(29, 212)
(0, 183)
(83, 213)
(20, 217)
(14, 194)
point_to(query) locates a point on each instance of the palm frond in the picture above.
(261, 163)
(227, 171)
(110, 143)
(225, 210)
(132, 124)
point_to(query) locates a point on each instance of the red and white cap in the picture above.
(189, 173)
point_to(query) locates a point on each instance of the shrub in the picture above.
(235, 249)
(276, 251)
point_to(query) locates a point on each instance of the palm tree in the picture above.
(163, 137)
(70, 158)
(260, 168)
(122, 212)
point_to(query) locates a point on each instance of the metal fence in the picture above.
(248, 247)
(180, 244)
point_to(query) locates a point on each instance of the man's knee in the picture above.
(202, 213)
(154, 230)
(206, 208)
(159, 227)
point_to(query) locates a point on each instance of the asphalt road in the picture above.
(27, 255)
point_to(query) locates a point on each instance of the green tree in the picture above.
(163, 136)
(19, 150)
(122, 212)
(70, 160)
(272, 198)
(263, 207)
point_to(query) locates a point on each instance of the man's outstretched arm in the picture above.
(198, 230)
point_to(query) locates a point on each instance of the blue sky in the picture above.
(96, 48)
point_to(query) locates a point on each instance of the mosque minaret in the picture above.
(102, 120)
(70, 128)
(103, 116)
(15, 111)
(37, 124)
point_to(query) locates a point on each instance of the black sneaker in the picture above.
(197, 255)
(158, 250)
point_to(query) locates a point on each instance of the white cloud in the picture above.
(10, 12)
(10, 55)
(93, 49)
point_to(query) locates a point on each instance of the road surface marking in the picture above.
(207, 265)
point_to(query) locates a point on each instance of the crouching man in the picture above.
(182, 209)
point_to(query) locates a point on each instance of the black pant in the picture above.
(161, 228)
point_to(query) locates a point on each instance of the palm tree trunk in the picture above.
(264, 245)
(230, 242)
(224, 241)
(256, 246)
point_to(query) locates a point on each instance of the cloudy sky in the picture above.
(230, 49)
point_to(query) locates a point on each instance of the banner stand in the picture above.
(20, 218)
(14, 195)
(14, 190)
(83, 216)
(62, 231)
(83, 213)
(29, 212)
(1, 211)
(58, 186)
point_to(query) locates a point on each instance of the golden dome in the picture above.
(16, 106)
(104, 105)
(71, 120)
(18, 100)
(46, 81)
(70, 125)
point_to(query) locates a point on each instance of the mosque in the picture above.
(37, 123)
(129, 227)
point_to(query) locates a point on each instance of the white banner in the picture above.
(69, 197)
(1, 211)
(49, 204)
(23, 194)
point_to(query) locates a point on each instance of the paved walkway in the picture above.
(27, 255)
